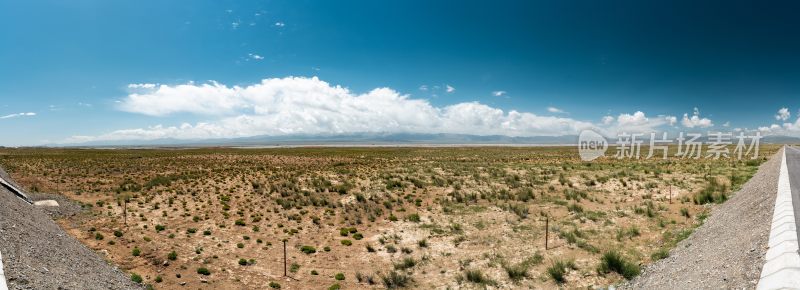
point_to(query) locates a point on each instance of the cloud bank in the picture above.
(299, 105)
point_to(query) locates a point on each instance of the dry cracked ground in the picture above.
(395, 217)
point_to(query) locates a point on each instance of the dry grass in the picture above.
(382, 217)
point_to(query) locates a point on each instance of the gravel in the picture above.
(727, 251)
(38, 254)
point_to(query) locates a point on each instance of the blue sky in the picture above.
(76, 64)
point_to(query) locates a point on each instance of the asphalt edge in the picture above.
(782, 267)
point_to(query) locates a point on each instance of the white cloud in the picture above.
(783, 114)
(297, 105)
(280, 24)
(727, 124)
(236, 24)
(18, 115)
(498, 93)
(255, 56)
(423, 88)
(671, 120)
(449, 89)
(638, 122)
(695, 120)
(555, 110)
(141, 86)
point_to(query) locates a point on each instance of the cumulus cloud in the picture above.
(671, 120)
(695, 121)
(555, 110)
(783, 114)
(255, 56)
(449, 89)
(639, 122)
(498, 93)
(18, 115)
(299, 105)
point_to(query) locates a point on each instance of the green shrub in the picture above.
(347, 242)
(98, 236)
(203, 271)
(516, 272)
(358, 236)
(558, 269)
(395, 280)
(117, 234)
(136, 278)
(274, 285)
(136, 252)
(159, 279)
(160, 228)
(660, 254)
(308, 249)
(408, 262)
(339, 276)
(335, 287)
(477, 277)
(172, 256)
(613, 261)
(243, 262)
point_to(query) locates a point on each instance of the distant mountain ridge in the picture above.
(376, 139)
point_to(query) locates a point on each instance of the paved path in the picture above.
(782, 267)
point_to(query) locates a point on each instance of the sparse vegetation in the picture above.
(614, 262)
(224, 209)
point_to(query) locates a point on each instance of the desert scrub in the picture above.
(477, 277)
(395, 280)
(274, 285)
(407, 263)
(136, 278)
(172, 256)
(203, 271)
(558, 270)
(136, 252)
(339, 276)
(308, 249)
(662, 253)
(614, 262)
